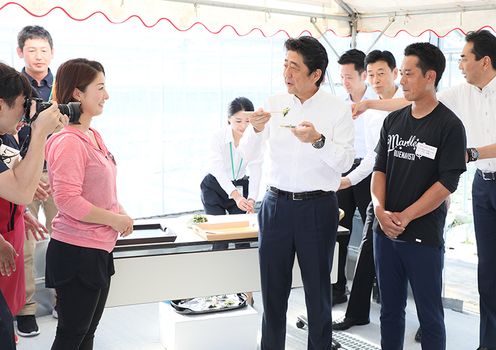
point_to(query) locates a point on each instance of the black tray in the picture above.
(186, 311)
(151, 233)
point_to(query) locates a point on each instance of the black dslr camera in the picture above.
(72, 110)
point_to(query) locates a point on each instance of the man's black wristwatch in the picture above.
(319, 143)
(472, 154)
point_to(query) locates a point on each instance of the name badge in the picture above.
(240, 189)
(424, 150)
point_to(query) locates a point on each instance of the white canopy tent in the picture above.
(294, 17)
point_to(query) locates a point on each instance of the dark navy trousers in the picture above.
(484, 209)
(397, 263)
(363, 280)
(307, 228)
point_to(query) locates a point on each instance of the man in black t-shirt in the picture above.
(420, 156)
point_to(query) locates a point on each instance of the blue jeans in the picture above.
(397, 263)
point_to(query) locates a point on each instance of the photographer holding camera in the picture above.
(18, 182)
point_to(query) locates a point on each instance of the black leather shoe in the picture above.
(339, 299)
(418, 335)
(348, 322)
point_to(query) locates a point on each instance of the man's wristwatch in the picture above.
(318, 144)
(473, 154)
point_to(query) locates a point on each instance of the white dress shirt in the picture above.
(477, 110)
(296, 166)
(220, 165)
(373, 121)
(368, 125)
(360, 144)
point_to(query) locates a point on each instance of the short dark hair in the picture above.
(430, 57)
(12, 85)
(313, 52)
(72, 74)
(484, 45)
(378, 55)
(355, 57)
(239, 104)
(33, 32)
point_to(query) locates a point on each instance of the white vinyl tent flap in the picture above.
(270, 17)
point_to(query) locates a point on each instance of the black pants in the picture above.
(349, 199)
(484, 208)
(7, 341)
(216, 201)
(359, 303)
(80, 309)
(307, 228)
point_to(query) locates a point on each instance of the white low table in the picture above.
(235, 329)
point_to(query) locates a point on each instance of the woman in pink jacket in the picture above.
(82, 173)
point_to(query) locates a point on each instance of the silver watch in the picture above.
(319, 143)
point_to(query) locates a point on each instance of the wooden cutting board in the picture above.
(226, 230)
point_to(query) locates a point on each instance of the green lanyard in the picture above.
(232, 163)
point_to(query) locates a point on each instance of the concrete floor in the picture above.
(137, 327)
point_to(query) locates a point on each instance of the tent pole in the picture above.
(353, 21)
(391, 20)
(262, 9)
(313, 20)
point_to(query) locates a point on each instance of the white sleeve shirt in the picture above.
(225, 170)
(373, 120)
(477, 110)
(296, 166)
(371, 125)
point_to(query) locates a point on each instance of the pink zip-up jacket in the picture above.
(81, 176)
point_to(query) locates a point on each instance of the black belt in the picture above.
(357, 161)
(298, 196)
(486, 176)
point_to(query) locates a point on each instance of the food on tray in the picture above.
(285, 111)
(212, 302)
(199, 218)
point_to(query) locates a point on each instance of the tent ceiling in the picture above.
(290, 16)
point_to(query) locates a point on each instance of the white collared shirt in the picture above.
(371, 123)
(296, 166)
(220, 165)
(477, 110)
(360, 144)
(373, 120)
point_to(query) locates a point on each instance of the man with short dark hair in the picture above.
(381, 74)
(474, 102)
(309, 134)
(35, 47)
(420, 156)
(354, 190)
(18, 181)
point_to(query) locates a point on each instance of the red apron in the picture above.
(13, 287)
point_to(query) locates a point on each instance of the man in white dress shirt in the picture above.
(309, 134)
(381, 74)
(354, 190)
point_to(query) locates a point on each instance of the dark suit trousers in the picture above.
(349, 199)
(308, 229)
(484, 208)
(359, 303)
